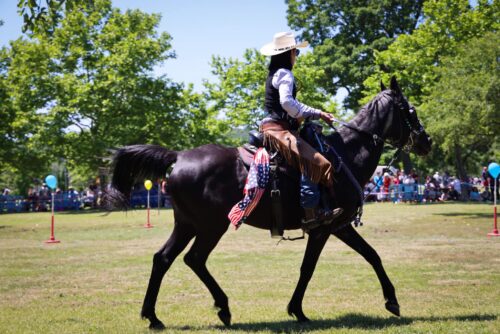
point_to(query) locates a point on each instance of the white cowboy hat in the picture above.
(282, 42)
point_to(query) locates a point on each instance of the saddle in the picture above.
(278, 170)
(247, 152)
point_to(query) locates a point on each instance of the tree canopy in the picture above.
(88, 87)
(81, 80)
(346, 34)
(463, 108)
(430, 62)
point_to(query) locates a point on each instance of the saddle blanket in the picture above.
(257, 179)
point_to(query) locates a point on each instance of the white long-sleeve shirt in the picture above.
(283, 81)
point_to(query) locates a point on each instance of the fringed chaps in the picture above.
(297, 152)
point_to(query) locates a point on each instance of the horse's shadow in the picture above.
(465, 214)
(350, 321)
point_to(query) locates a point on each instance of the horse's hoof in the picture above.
(157, 325)
(393, 308)
(225, 317)
(298, 314)
(154, 322)
(303, 319)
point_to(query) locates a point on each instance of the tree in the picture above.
(417, 60)
(414, 58)
(21, 83)
(89, 86)
(463, 108)
(43, 16)
(346, 34)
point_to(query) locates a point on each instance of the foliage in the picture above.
(88, 86)
(346, 34)
(414, 58)
(238, 92)
(418, 60)
(20, 155)
(43, 16)
(463, 109)
(81, 80)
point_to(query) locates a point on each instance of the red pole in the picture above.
(494, 233)
(148, 225)
(52, 239)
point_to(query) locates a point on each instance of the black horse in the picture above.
(208, 180)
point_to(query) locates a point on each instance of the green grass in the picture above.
(445, 269)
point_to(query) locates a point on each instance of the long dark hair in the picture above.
(282, 60)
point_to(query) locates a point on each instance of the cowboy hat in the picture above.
(282, 42)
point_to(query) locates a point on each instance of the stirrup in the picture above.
(324, 218)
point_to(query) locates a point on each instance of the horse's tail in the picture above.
(133, 164)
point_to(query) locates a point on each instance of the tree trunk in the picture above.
(407, 164)
(459, 163)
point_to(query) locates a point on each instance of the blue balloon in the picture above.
(494, 169)
(51, 181)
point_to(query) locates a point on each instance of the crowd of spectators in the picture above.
(387, 184)
(39, 199)
(397, 186)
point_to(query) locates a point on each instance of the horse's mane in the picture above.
(378, 103)
(365, 115)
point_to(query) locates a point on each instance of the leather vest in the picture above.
(272, 103)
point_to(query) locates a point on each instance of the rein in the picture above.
(376, 141)
(376, 138)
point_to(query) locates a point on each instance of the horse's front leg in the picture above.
(349, 236)
(315, 243)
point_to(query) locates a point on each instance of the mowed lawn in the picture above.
(445, 269)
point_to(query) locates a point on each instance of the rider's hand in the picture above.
(328, 118)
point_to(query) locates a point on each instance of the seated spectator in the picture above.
(430, 193)
(485, 196)
(474, 194)
(437, 178)
(452, 192)
(396, 179)
(408, 179)
(414, 175)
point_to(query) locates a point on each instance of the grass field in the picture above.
(445, 269)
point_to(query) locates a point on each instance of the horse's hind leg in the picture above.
(349, 236)
(162, 261)
(196, 259)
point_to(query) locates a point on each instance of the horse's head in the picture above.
(405, 129)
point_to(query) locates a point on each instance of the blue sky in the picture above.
(199, 29)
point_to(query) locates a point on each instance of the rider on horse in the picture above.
(280, 129)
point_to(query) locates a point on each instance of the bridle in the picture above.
(404, 110)
(403, 120)
(404, 114)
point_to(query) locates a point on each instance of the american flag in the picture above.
(258, 176)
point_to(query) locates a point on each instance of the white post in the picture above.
(159, 195)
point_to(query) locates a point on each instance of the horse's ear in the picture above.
(395, 85)
(382, 86)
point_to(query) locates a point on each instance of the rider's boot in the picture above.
(314, 217)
